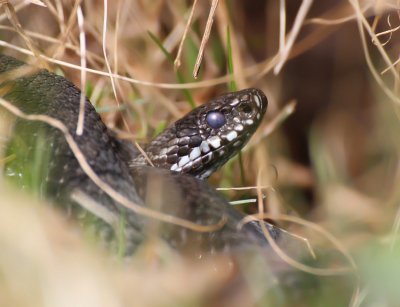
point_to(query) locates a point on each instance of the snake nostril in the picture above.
(245, 108)
(215, 119)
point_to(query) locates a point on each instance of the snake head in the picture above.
(208, 136)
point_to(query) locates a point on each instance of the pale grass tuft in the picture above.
(44, 262)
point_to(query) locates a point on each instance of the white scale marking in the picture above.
(234, 102)
(239, 127)
(204, 147)
(206, 174)
(248, 122)
(236, 120)
(174, 167)
(214, 141)
(183, 161)
(258, 101)
(195, 153)
(231, 135)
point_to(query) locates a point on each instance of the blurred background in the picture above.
(326, 153)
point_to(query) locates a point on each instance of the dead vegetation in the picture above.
(327, 153)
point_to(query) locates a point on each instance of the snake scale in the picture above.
(183, 156)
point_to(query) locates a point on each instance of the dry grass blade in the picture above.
(177, 62)
(362, 23)
(53, 40)
(390, 67)
(12, 17)
(394, 235)
(144, 153)
(67, 30)
(205, 38)
(282, 25)
(286, 111)
(337, 21)
(390, 32)
(38, 2)
(17, 8)
(104, 46)
(287, 46)
(82, 40)
(316, 271)
(246, 188)
(256, 71)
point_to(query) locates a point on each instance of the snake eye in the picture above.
(215, 119)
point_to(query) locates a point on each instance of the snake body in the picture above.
(182, 156)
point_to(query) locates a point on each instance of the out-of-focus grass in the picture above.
(349, 185)
(29, 174)
(45, 262)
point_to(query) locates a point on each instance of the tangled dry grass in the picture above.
(327, 153)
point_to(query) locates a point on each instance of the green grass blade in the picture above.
(232, 83)
(179, 75)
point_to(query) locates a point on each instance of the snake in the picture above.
(168, 175)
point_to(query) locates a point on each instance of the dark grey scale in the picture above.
(171, 159)
(184, 141)
(173, 150)
(183, 151)
(195, 141)
(188, 123)
(237, 143)
(187, 167)
(173, 142)
(162, 159)
(193, 125)
(187, 132)
(105, 137)
(224, 110)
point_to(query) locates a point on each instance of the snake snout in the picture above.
(252, 106)
(249, 108)
(259, 99)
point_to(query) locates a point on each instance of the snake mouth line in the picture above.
(210, 155)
